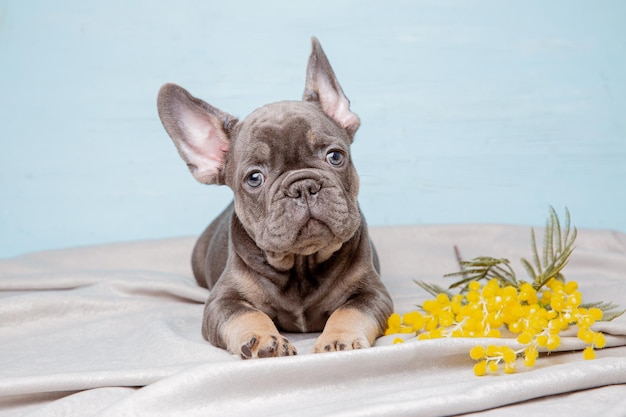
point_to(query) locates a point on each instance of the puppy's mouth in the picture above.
(306, 237)
(312, 236)
(311, 228)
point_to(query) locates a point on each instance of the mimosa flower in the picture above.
(537, 311)
(484, 309)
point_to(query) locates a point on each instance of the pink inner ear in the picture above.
(204, 147)
(336, 105)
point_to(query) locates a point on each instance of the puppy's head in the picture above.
(288, 163)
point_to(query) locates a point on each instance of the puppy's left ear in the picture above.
(322, 87)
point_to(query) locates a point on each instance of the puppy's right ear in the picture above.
(199, 131)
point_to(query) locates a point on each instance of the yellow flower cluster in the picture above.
(483, 311)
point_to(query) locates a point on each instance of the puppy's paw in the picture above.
(339, 341)
(347, 329)
(254, 335)
(266, 346)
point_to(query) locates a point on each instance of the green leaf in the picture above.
(608, 309)
(548, 241)
(433, 289)
(610, 315)
(529, 269)
(484, 267)
(533, 246)
(557, 224)
(557, 247)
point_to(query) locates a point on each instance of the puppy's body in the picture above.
(299, 299)
(292, 251)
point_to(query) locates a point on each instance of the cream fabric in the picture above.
(114, 330)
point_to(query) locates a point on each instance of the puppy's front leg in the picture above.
(347, 328)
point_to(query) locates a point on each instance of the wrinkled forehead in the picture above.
(289, 123)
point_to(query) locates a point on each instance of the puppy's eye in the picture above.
(335, 158)
(255, 179)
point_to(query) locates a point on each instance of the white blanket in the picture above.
(114, 330)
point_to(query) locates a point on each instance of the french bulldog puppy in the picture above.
(292, 251)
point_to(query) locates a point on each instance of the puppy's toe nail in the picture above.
(269, 350)
(287, 348)
(328, 348)
(246, 350)
(341, 346)
(265, 353)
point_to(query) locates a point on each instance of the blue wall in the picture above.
(473, 111)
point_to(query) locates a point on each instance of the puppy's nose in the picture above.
(303, 189)
(302, 184)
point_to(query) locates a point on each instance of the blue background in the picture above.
(472, 111)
